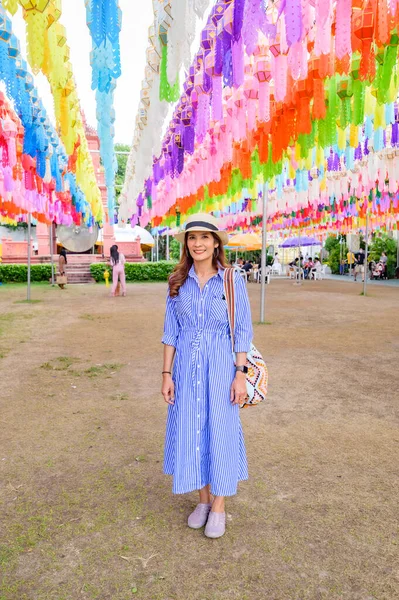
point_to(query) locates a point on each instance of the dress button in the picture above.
(199, 382)
(200, 314)
(198, 431)
(198, 401)
(197, 449)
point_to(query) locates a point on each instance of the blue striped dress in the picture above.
(204, 441)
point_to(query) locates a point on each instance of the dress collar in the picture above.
(193, 274)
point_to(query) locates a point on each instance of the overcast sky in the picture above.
(137, 16)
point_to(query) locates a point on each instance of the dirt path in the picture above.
(88, 514)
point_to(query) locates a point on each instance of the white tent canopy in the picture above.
(130, 234)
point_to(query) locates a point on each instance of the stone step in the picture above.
(73, 278)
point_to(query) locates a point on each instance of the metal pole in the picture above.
(167, 245)
(282, 265)
(157, 254)
(350, 257)
(29, 253)
(366, 267)
(51, 254)
(263, 256)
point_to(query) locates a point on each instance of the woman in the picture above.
(62, 261)
(117, 262)
(204, 446)
(316, 267)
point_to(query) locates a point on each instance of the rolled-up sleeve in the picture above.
(243, 326)
(171, 325)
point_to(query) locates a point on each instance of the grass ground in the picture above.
(86, 511)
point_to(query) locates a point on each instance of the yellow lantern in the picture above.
(37, 5)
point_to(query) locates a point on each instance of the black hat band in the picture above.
(195, 224)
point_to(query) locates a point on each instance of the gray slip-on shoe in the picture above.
(216, 525)
(199, 516)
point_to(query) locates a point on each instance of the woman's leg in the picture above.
(218, 504)
(205, 495)
(122, 277)
(206, 498)
(114, 280)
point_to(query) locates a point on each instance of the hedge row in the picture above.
(152, 271)
(19, 273)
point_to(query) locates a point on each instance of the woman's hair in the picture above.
(64, 254)
(114, 254)
(180, 273)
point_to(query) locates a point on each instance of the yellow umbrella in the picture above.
(247, 241)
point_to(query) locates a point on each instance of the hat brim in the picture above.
(222, 235)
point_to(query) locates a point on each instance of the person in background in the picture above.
(359, 265)
(62, 261)
(248, 266)
(117, 262)
(350, 259)
(384, 262)
(307, 267)
(316, 266)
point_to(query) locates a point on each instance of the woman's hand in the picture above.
(238, 392)
(168, 389)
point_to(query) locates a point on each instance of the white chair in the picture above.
(299, 273)
(318, 273)
(267, 275)
(277, 269)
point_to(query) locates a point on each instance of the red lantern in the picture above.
(263, 70)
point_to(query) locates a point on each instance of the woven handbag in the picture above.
(257, 376)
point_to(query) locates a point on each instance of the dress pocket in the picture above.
(183, 304)
(219, 309)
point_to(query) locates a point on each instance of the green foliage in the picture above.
(174, 249)
(331, 243)
(333, 247)
(334, 258)
(19, 273)
(156, 271)
(384, 243)
(120, 174)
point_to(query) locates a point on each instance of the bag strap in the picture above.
(229, 292)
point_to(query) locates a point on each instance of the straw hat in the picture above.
(202, 222)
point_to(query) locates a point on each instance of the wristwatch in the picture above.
(243, 369)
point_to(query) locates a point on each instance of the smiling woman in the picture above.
(204, 446)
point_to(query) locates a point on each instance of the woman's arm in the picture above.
(242, 340)
(169, 339)
(168, 387)
(238, 392)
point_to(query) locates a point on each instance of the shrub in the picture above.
(151, 271)
(19, 273)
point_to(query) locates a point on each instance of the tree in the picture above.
(384, 243)
(120, 174)
(174, 249)
(333, 247)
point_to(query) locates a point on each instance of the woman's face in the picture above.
(201, 245)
